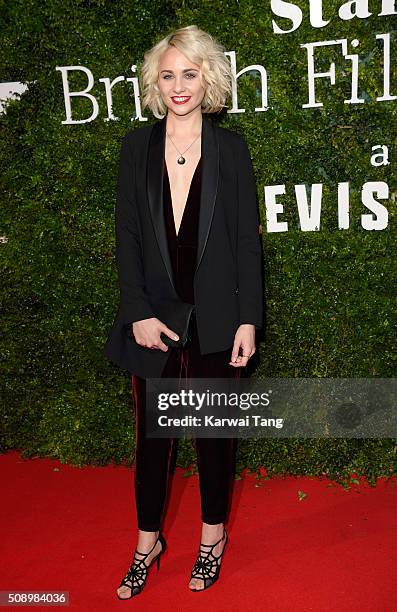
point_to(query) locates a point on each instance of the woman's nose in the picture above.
(179, 85)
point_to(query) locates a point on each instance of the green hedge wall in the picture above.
(330, 295)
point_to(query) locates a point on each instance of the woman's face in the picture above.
(179, 83)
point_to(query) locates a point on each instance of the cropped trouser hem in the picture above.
(214, 521)
(209, 520)
(149, 527)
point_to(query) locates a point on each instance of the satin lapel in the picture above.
(209, 182)
(154, 186)
(209, 186)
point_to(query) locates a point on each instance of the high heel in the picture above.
(139, 570)
(203, 568)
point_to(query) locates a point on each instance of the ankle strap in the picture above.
(148, 553)
(213, 545)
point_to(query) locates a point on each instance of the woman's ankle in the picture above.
(212, 526)
(148, 532)
(147, 537)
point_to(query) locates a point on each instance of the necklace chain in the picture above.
(181, 159)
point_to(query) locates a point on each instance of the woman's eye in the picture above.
(190, 75)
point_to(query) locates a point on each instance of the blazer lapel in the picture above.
(209, 186)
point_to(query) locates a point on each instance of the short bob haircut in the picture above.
(201, 49)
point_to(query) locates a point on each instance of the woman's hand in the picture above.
(244, 339)
(147, 333)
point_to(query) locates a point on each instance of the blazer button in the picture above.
(236, 290)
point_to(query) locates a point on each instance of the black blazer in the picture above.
(228, 278)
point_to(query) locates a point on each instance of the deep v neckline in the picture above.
(187, 199)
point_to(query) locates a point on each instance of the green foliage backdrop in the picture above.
(331, 308)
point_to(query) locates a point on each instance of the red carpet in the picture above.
(65, 528)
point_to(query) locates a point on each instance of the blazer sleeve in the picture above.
(249, 248)
(134, 304)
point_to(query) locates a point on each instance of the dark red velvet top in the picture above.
(183, 247)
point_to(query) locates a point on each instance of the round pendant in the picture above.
(181, 160)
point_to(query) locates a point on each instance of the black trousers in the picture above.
(215, 456)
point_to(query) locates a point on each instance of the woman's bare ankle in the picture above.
(146, 539)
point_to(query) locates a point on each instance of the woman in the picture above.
(186, 228)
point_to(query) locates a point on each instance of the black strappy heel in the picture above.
(207, 567)
(139, 570)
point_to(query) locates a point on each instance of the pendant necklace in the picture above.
(181, 159)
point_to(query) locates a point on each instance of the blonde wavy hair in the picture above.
(201, 49)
